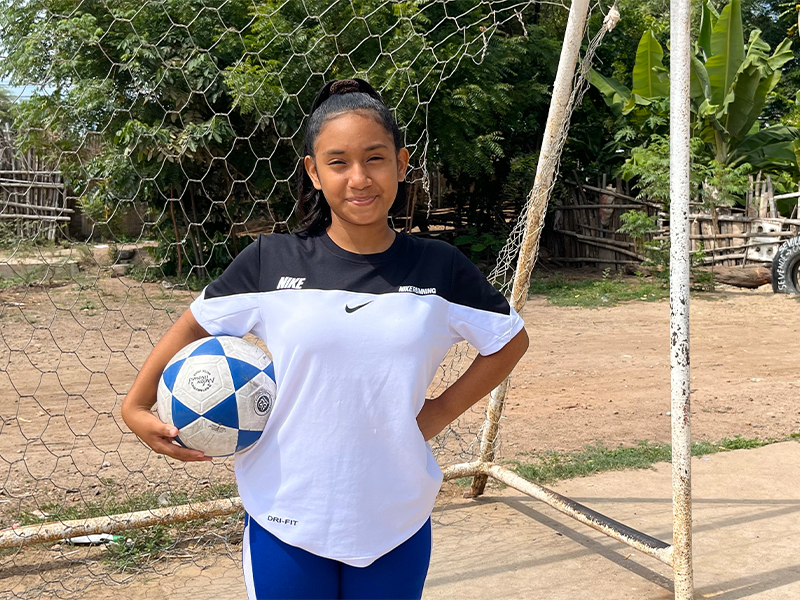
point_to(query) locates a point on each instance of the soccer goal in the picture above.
(145, 144)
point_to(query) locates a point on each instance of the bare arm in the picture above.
(136, 408)
(483, 375)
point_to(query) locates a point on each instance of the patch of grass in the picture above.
(139, 547)
(142, 274)
(142, 544)
(547, 467)
(11, 282)
(609, 291)
(110, 504)
(88, 305)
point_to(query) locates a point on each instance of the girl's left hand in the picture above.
(431, 420)
(483, 375)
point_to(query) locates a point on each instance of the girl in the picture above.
(339, 489)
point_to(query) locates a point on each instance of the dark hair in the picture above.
(334, 99)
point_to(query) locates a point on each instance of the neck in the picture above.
(361, 239)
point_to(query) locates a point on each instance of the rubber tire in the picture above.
(786, 268)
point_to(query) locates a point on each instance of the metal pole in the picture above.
(680, 48)
(545, 171)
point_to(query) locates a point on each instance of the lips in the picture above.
(362, 201)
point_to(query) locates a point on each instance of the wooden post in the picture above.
(557, 120)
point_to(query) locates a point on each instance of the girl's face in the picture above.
(357, 168)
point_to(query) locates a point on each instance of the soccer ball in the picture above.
(219, 393)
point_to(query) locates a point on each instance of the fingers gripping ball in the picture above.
(218, 392)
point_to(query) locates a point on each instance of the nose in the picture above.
(359, 178)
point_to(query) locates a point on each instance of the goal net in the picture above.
(143, 145)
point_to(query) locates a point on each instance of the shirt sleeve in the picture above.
(230, 304)
(478, 313)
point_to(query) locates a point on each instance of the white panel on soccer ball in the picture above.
(244, 350)
(187, 350)
(210, 438)
(164, 403)
(203, 382)
(255, 400)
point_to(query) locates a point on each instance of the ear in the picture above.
(311, 169)
(402, 163)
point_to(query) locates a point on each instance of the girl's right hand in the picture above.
(136, 408)
(160, 436)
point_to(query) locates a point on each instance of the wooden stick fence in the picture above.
(588, 218)
(32, 193)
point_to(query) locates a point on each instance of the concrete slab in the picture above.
(746, 532)
(508, 546)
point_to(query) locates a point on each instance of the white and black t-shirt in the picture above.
(342, 469)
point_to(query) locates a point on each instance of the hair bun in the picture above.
(345, 86)
(341, 87)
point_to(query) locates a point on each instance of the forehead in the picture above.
(352, 131)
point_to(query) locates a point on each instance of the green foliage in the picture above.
(656, 254)
(731, 83)
(482, 247)
(179, 106)
(5, 106)
(123, 116)
(713, 183)
(637, 224)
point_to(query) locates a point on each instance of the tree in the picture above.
(196, 107)
(137, 111)
(730, 85)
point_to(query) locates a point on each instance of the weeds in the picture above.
(609, 291)
(548, 467)
(11, 282)
(142, 544)
(139, 547)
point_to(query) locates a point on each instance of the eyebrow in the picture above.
(367, 149)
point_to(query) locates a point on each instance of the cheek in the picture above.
(331, 182)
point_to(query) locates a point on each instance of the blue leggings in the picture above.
(275, 570)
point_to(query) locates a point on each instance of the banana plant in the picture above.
(730, 84)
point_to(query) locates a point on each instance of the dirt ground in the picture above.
(68, 354)
(603, 375)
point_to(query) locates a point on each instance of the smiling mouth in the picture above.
(362, 201)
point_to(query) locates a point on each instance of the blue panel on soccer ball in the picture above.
(211, 347)
(181, 415)
(241, 372)
(225, 413)
(270, 371)
(178, 439)
(171, 374)
(246, 438)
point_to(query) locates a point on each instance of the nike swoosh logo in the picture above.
(355, 308)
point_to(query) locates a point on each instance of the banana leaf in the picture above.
(783, 54)
(796, 148)
(650, 78)
(708, 19)
(772, 148)
(615, 94)
(750, 88)
(700, 88)
(727, 51)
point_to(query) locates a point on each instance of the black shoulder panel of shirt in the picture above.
(411, 265)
